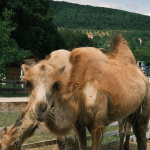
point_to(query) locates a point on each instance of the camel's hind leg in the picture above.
(139, 124)
(128, 130)
(121, 124)
(124, 131)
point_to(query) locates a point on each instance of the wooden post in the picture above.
(0, 86)
(21, 77)
(14, 84)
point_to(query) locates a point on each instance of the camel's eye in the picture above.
(56, 85)
(28, 84)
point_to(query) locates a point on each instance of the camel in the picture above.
(26, 124)
(99, 89)
(13, 137)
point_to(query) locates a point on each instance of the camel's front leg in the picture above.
(81, 134)
(61, 142)
(97, 135)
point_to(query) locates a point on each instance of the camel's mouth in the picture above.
(41, 110)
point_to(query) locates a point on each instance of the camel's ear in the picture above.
(25, 68)
(61, 69)
(15, 144)
(4, 131)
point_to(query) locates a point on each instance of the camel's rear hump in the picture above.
(120, 49)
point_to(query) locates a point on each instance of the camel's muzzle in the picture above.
(40, 110)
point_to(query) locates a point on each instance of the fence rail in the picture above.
(15, 88)
(13, 84)
(146, 70)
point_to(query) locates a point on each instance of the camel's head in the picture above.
(43, 80)
(8, 141)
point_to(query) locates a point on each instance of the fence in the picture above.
(21, 88)
(14, 86)
(19, 105)
(146, 70)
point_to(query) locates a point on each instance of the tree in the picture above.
(9, 50)
(73, 39)
(143, 54)
(35, 29)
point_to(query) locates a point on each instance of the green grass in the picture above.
(110, 138)
(111, 128)
(6, 119)
(41, 137)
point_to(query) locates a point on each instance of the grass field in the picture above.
(6, 119)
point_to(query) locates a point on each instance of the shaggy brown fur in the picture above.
(120, 49)
(24, 127)
(124, 125)
(98, 90)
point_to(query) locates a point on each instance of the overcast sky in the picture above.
(137, 6)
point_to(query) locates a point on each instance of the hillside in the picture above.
(97, 18)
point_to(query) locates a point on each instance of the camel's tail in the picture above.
(120, 49)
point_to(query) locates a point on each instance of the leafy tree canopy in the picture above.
(97, 18)
(34, 25)
(73, 39)
(9, 50)
(143, 53)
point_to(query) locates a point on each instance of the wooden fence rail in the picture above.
(146, 70)
(13, 84)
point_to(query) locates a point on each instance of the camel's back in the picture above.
(60, 59)
(113, 75)
(86, 64)
(89, 63)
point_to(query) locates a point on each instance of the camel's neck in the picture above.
(29, 125)
(24, 127)
(60, 119)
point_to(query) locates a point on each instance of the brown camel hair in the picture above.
(99, 89)
(24, 127)
(124, 125)
(13, 137)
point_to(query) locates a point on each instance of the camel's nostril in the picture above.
(43, 107)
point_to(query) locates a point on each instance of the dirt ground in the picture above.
(111, 146)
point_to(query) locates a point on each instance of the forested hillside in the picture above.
(97, 18)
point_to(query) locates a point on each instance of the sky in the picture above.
(136, 6)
